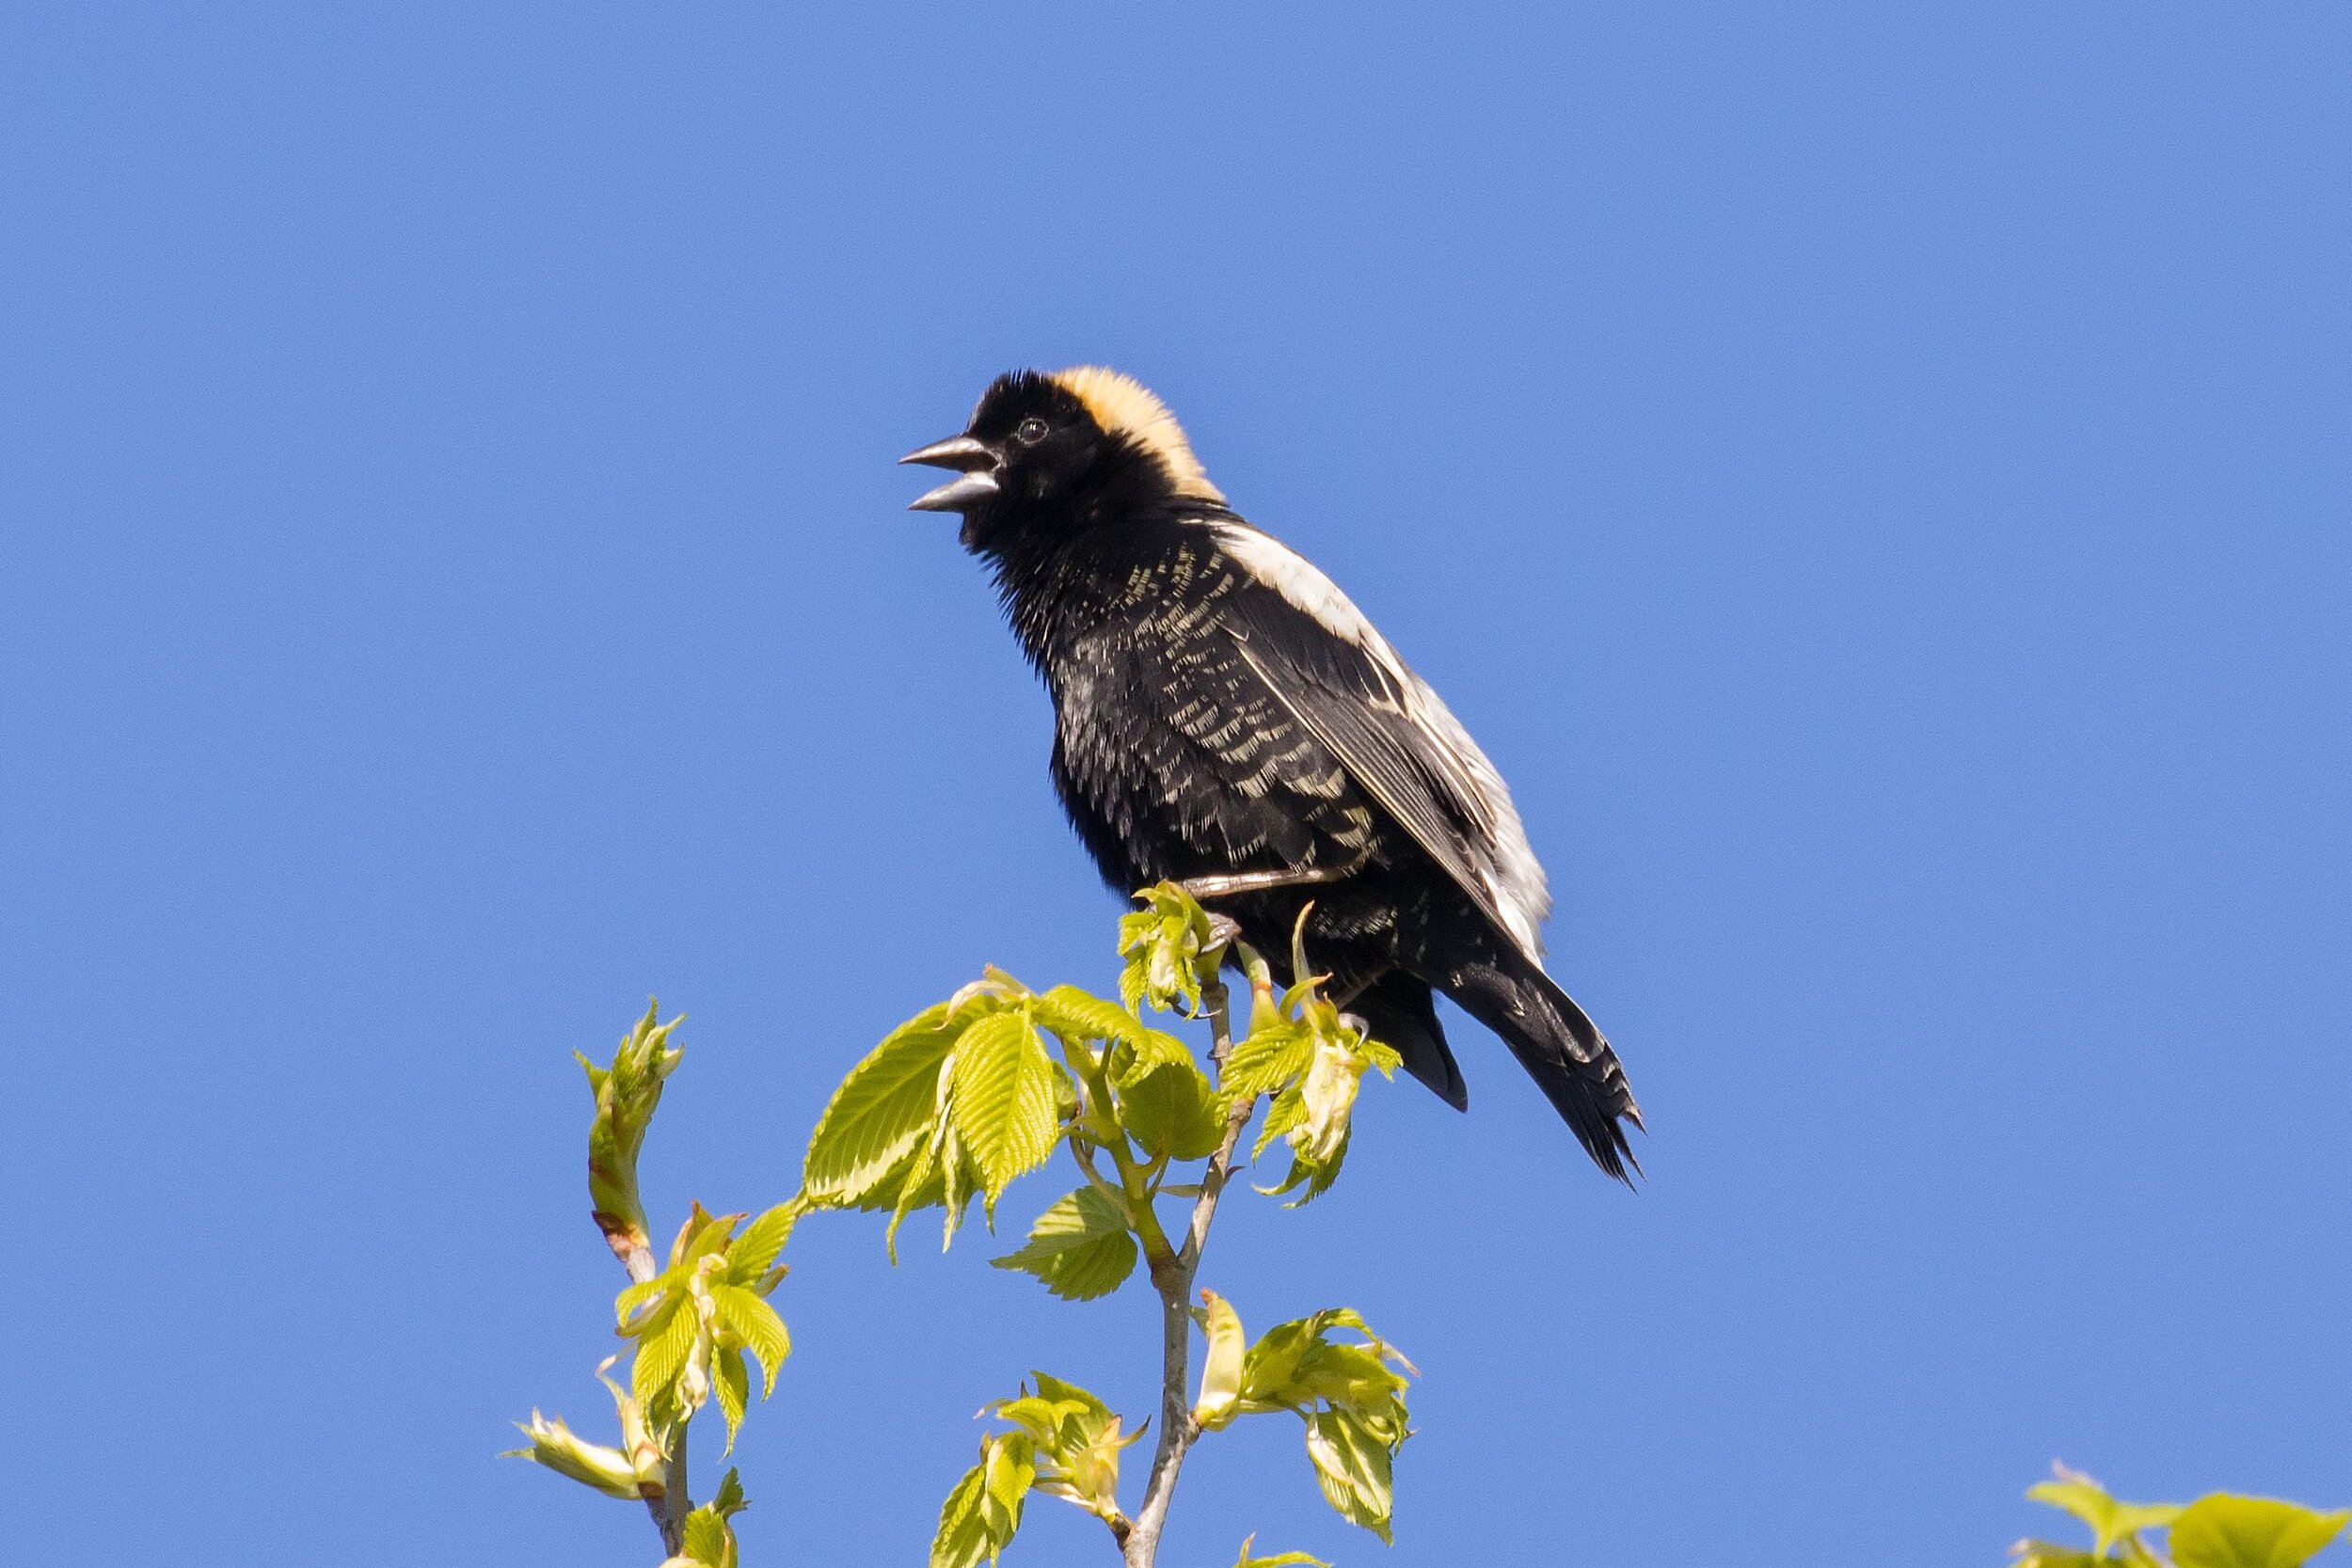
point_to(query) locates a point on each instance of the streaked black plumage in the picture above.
(1221, 708)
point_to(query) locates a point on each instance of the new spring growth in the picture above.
(695, 1320)
(2220, 1529)
(1166, 945)
(626, 1094)
(707, 1540)
(1350, 1396)
(1065, 1443)
(631, 1471)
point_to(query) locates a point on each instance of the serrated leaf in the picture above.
(1264, 1060)
(918, 1183)
(2226, 1531)
(1001, 1098)
(753, 1325)
(1080, 1248)
(963, 1539)
(732, 1384)
(1079, 1015)
(751, 1255)
(882, 1111)
(632, 1310)
(1172, 1110)
(956, 1168)
(661, 1355)
(1353, 1469)
(1284, 1114)
(1007, 1469)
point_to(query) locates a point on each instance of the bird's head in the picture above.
(1072, 443)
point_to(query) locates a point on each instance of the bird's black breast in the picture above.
(1171, 756)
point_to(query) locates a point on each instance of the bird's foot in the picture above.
(1234, 882)
(1224, 930)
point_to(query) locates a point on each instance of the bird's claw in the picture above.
(1224, 930)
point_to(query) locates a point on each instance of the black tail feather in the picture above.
(1398, 1011)
(1561, 1049)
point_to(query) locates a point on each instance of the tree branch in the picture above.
(1139, 1543)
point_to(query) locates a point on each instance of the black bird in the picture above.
(1226, 717)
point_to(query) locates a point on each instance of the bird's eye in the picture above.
(1029, 432)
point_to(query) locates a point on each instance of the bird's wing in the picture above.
(1327, 664)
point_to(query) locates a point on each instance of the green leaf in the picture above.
(1060, 1392)
(707, 1536)
(1353, 1467)
(1008, 1470)
(754, 1253)
(1221, 1370)
(661, 1355)
(753, 1325)
(732, 1384)
(924, 1183)
(962, 1540)
(2109, 1520)
(1166, 946)
(956, 1166)
(880, 1114)
(1078, 1015)
(1264, 1060)
(2225, 1530)
(1001, 1097)
(705, 1539)
(632, 1310)
(1285, 1560)
(558, 1447)
(1284, 1114)
(1173, 1110)
(965, 1536)
(1080, 1247)
(1070, 1441)
(1295, 1364)
(702, 1235)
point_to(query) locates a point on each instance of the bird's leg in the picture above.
(1362, 986)
(1231, 883)
(1355, 1021)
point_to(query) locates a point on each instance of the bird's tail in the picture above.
(1569, 1059)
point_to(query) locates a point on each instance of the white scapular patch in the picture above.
(1501, 855)
(1124, 406)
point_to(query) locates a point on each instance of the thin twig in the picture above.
(1139, 1543)
(669, 1509)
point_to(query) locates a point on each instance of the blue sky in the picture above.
(1874, 478)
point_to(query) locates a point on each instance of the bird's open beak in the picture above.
(977, 482)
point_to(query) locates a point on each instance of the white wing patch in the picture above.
(1501, 855)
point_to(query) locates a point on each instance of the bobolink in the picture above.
(1226, 718)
